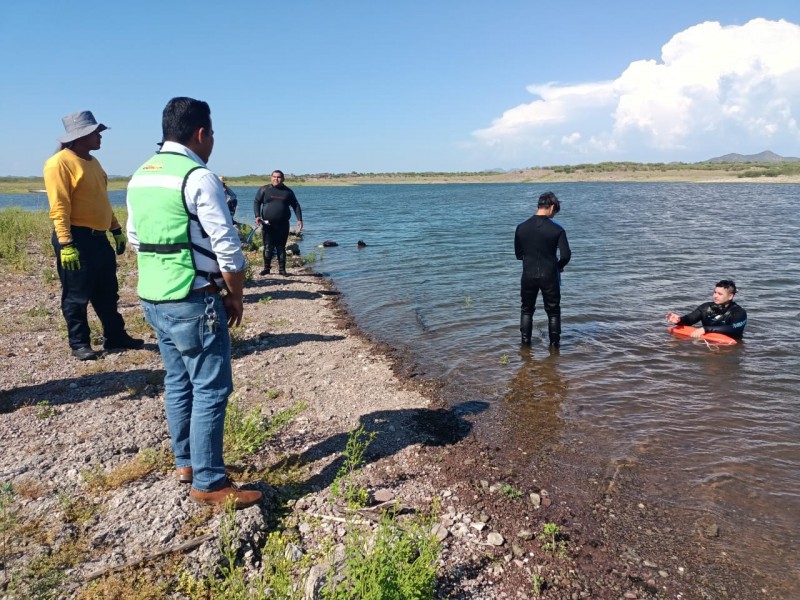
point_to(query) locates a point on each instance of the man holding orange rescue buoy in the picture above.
(722, 315)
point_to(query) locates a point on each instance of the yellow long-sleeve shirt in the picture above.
(77, 190)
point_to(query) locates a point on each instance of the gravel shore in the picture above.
(74, 434)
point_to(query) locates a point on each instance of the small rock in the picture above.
(293, 552)
(495, 539)
(383, 495)
(712, 530)
(315, 581)
(663, 574)
(478, 526)
(536, 499)
(525, 534)
(439, 532)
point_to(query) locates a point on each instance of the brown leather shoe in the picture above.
(241, 498)
(184, 474)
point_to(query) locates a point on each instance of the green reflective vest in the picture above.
(161, 220)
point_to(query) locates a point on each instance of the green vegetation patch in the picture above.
(24, 238)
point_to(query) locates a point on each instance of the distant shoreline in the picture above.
(629, 173)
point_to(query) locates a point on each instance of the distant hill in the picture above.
(761, 157)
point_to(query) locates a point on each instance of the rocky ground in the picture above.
(86, 449)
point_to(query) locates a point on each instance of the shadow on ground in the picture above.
(393, 430)
(82, 388)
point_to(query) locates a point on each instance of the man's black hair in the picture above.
(182, 117)
(279, 171)
(547, 200)
(727, 284)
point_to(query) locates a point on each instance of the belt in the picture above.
(88, 230)
(206, 289)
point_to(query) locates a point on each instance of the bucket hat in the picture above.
(78, 125)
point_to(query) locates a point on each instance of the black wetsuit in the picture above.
(272, 204)
(729, 319)
(536, 242)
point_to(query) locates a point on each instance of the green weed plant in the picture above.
(552, 540)
(511, 492)
(344, 486)
(398, 562)
(246, 432)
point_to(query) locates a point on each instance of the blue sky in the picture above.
(441, 85)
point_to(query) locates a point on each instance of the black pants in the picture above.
(275, 236)
(95, 282)
(551, 295)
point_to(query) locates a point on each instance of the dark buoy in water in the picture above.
(361, 244)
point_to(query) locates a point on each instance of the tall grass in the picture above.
(24, 238)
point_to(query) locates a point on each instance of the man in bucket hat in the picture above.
(77, 191)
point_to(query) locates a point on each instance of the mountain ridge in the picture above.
(766, 156)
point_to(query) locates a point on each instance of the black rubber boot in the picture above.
(282, 261)
(267, 261)
(554, 330)
(525, 328)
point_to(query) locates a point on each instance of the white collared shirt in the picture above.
(204, 197)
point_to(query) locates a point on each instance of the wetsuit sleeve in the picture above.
(564, 253)
(517, 244)
(693, 317)
(733, 325)
(298, 213)
(258, 201)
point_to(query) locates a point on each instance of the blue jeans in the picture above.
(196, 350)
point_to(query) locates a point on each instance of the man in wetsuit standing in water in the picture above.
(541, 244)
(271, 207)
(722, 315)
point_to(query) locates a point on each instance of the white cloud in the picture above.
(734, 84)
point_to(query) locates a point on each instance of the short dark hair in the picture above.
(279, 171)
(728, 285)
(547, 200)
(182, 117)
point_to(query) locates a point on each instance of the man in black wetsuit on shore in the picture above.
(541, 244)
(722, 315)
(271, 207)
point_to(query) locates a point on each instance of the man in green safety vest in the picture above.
(191, 276)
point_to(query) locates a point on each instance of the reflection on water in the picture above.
(714, 432)
(532, 404)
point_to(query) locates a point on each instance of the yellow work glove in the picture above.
(119, 240)
(69, 258)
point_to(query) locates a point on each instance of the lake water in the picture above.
(707, 432)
